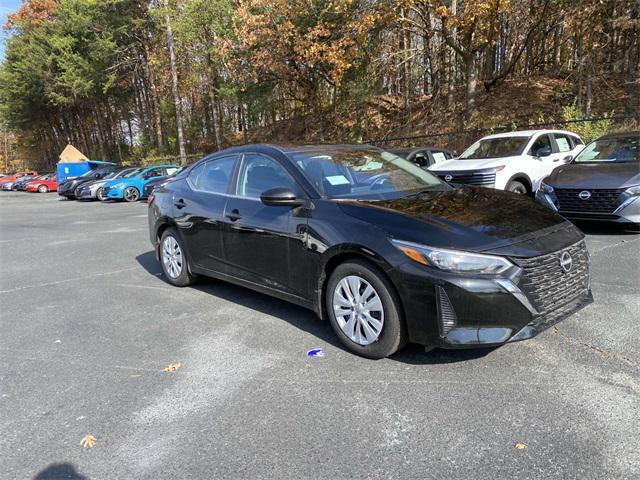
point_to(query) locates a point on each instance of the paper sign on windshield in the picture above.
(438, 156)
(337, 180)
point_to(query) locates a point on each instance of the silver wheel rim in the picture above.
(100, 194)
(130, 194)
(172, 257)
(358, 309)
(42, 189)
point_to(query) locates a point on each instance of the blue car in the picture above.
(129, 187)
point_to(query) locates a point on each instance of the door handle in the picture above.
(180, 203)
(234, 215)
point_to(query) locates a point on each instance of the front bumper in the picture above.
(113, 193)
(86, 193)
(449, 311)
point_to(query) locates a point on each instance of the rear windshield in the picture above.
(613, 150)
(496, 148)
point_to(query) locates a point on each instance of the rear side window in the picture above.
(213, 176)
(564, 142)
(576, 141)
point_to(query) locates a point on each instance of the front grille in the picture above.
(486, 178)
(601, 200)
(548, 286)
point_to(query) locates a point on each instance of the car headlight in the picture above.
(632, 191)
(454, 260)
(118, 185)
(546, 188)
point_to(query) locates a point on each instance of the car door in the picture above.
(542, 152)
(564, 146)
(259, 241)
(199, 204)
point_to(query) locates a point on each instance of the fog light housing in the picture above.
(446, 314)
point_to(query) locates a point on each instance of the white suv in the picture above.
(514, 161)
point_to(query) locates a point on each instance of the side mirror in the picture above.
(543, 152)
(280, 197)
(567, 159)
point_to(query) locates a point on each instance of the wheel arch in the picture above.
(522, 178)
(340, 254)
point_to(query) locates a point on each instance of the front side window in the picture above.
(213, 176)
(542, 146)
(615, 150)
(363, 173)
(499, 147)
(259, 174)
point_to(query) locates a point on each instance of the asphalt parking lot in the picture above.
(88, 325)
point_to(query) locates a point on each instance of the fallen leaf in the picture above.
(172, 367)
(520, 446)
(88, 441)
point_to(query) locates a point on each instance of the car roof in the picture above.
(528, 133)
(633, 133)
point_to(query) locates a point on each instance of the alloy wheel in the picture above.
(172, 257)
(358, 309)
(131, 194)
(43, 189)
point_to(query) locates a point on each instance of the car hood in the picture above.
(595, 175)
(471, 218)
(470, 164)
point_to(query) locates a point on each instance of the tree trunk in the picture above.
(470, 86)
(174, 85)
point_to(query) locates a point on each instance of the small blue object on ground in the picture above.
(316, 352)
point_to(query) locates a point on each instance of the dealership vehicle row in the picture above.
(386, 249)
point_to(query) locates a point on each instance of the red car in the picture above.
(47, 183)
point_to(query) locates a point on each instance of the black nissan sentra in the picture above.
(381, 248)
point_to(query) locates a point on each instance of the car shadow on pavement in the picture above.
(307, 321)
(58, 471)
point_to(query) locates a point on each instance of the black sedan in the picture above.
(378, 246)
(601, 184)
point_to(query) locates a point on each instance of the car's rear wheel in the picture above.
(364, 310)
(174, 261)
(43, 188)
(131, 194)
(517, 187)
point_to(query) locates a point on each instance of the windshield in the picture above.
(90, 173)
(495, 148)
(613, 150)
(363, 173)
(131, 173)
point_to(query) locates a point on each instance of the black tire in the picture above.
(393, 335)
(185, 278)
(100, 195)
(43, 188)
(515, 186)
(131, 194)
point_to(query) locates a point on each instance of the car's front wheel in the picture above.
(43, 188)
(100, 195)
(517, 187)
(364, 310)
(131, 194)
(173, 259)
